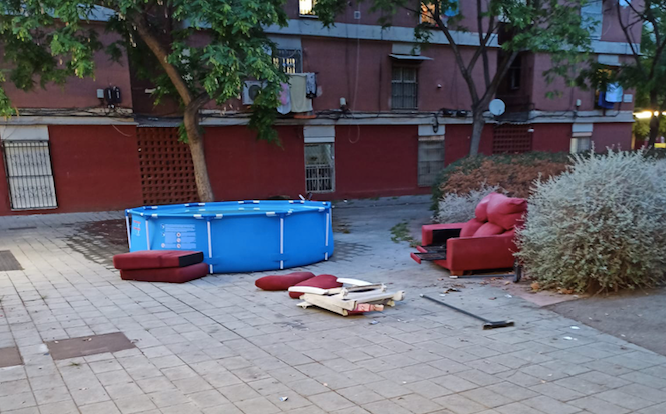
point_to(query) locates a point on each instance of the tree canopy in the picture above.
(553, 27)
(195, 51)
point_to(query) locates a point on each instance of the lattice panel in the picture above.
(512, 138)
(167, 173)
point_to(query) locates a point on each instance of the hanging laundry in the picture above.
(299, 102)
(285, 99)
(310, 85)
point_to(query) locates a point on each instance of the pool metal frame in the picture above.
(210, 217)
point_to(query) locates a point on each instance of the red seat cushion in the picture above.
(506, 212)
(481, 210)
(282, 282)
(152, 259)
(166, 274)
(321, 281)
(469, 228)
(488, 229)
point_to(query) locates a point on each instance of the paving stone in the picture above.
(550, 406)
(598, 406)
(258, 405)
(385, 407)
(416, 403)
(459, 404)
(107, 407)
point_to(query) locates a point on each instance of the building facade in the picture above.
(374, 117)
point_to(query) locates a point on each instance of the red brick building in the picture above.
(69, 152)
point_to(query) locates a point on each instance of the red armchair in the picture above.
(485, 242)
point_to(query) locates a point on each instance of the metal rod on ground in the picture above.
(486, 323)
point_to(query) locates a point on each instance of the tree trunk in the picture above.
(654, 121)
(195, 142)
(477, 128)
(654, 129)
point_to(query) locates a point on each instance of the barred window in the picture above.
(289, 60)
(319, 168)
(404, 87)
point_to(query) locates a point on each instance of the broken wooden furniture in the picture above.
(358, 298)
(485, 242)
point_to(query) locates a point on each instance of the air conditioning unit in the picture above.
(251, 90)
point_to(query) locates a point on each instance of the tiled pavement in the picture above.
(217, 345)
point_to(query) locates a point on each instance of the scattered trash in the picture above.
(453, 277)
(508, 296)
(623, 335)
(83, 389)
(404, 382)
(451, 289)
(535, 286)
(325, 385)
(87, 340)
(507, 283)
(373, 322)
(55, 342)
(493, 298)
(575, 327)
(283, 399)
(569, 338)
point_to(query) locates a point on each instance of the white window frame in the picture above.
(320, 135)
(26, 156)
(581, 138)
(306, 8)
(429, 179)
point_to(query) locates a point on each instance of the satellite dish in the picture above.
(497, 107)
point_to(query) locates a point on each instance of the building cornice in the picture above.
(313, 27)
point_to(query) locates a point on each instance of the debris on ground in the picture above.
(451, 289)
(535, 286)
(283, 399)
(493, 298)
(373, 323)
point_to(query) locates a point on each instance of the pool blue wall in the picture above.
(240, 242)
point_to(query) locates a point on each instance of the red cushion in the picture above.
(505, 211)
(488, 229)
(321, 281)
(481, 210)
(168, 274)
(469, 228)
(152, 259)
(282, 282)
(509, 221)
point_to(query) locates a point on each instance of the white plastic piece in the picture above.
(197, 216)
(354, 282)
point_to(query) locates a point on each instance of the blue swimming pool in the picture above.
(237, 236)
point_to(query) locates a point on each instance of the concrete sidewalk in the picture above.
(219, 345)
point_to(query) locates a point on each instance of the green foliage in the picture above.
(554, 27)
(600, 226)
(46, 41)
(641, 129)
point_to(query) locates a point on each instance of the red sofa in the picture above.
(485, 242)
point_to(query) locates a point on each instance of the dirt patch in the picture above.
(99, 241)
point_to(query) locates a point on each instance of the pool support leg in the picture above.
(129, 230)
(210, 245)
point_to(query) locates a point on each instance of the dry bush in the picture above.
(600, 226)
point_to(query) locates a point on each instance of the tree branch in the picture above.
(627, 35)
(161, 53)
(482, 44)
(456, 53)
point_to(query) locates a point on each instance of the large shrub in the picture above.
(599, 226)
(459, 208)
(513, 173)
